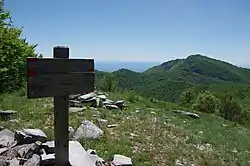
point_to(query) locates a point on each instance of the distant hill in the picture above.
(202, 69)
(168, 80)
(110, 66)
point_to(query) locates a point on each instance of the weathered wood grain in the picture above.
(58, 65)
(60, 84)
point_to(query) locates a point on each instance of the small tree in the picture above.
(13, 53)
(206, 102)
(230, 109)
(187, 98)
(108, 83)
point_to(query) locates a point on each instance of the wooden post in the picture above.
(58, 77)
(61, 118)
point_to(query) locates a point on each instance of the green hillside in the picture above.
(202, 69)
(168, 80)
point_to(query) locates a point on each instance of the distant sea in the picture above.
(116, 65)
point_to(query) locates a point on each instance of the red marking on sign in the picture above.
(32, 71)
(32, 59)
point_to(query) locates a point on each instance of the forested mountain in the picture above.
(168, 80)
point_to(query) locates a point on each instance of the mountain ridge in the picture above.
(169, 79)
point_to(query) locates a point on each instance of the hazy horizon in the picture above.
(110, 66)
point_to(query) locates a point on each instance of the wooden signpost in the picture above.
(58, 77)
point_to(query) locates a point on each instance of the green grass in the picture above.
(148, 131)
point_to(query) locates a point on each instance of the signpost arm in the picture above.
(61, 118)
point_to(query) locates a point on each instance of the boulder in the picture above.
(34, 161)
(120, 104)
(120, 160)
(86, 96)
(190, 114)
(88, 130)
(6, 114)
(28, 136)
(6, 138)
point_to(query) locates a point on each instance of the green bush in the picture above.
(206, 102)
(187, 98)
(108, 83)
(13, 53)
(132, 96)
(230, 109)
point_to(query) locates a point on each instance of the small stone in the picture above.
(14, 162)
(71, 130)
(27, 150)
(49, 147)
(76, 109)
(75, 103)
(34, 161)
(87, 96)
(28, 136)
(111, 107)
(120, 160)
(137, 111)
(103, 97)
(3, 150)
(112, 125)
(133, 135)
(103, 120)
(200, 132)
(152, 112)
(120, 104)
(108, 102)
(193, 115)
(14, 120)
(7, 114)
(48, 159)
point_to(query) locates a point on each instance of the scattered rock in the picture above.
(193, 115)
(120, 104)
(152, 112)
(133, 135)
(31, 153)
(49, 147)
(71, 130)
(112, 125)
(6, 138)
(48, 159)
(3, 150)
(27, 150)
(75, 103)
(76, 109)
(111, 106)
(14, 120)
(120, 160)
(3, 162)
(34, 161)
(28, 136)
(103, 97)
(14, 162)
(78, 156)
(7, 114)
(87, 96)
(88, 130)
(103, 120)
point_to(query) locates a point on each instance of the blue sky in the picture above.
(137, 30)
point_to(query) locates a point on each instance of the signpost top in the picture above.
(48, 77)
